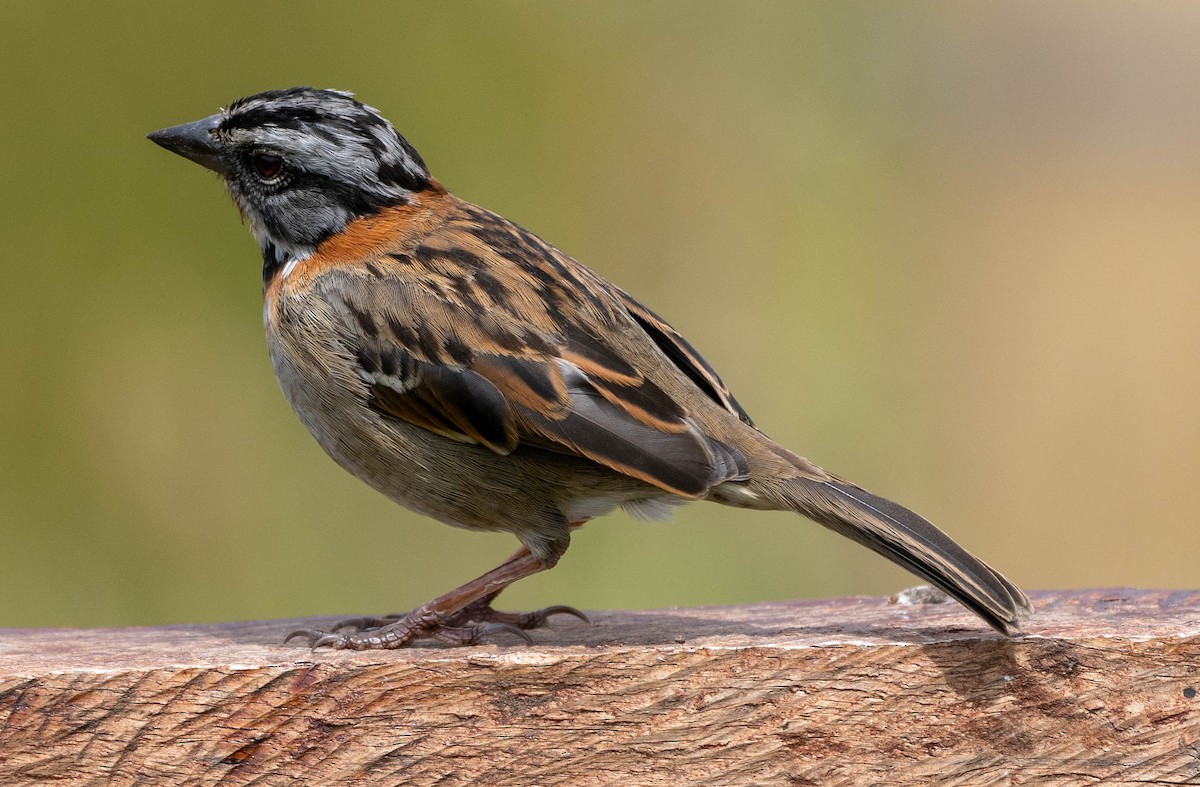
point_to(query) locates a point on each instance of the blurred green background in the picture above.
(946, 250)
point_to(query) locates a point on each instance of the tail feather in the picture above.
(915, 544)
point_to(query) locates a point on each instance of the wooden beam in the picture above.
(1103, 689)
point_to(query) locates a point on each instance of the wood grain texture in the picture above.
(1103, 689)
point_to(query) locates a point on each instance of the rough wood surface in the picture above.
(842, 691)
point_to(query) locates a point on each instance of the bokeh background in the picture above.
(949, 251)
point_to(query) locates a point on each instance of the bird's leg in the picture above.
(480, 610)
(439, 618)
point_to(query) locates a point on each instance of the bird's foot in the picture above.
(464, 616)
(468, 626)
(397, 631)
(481, 612)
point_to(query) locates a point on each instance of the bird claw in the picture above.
(335, 641)
(317, 638)
(562, 609)
(364, 623)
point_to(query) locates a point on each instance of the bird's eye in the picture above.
(266, 165)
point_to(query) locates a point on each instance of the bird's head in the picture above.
(301, 164)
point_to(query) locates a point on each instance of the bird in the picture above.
(472, 372)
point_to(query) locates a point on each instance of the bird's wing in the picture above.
(684, 356)
(485, 341)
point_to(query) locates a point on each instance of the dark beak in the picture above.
(194, 141)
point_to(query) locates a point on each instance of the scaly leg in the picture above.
(445, 617)
(480, 611)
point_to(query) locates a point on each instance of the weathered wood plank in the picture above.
(842, 691)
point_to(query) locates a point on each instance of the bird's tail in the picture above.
(914, 543)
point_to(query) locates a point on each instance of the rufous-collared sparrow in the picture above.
(470, 371)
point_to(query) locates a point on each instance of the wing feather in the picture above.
(684, 356)
(440, 344)
(455, 403)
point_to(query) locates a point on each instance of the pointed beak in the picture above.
(195, 141)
